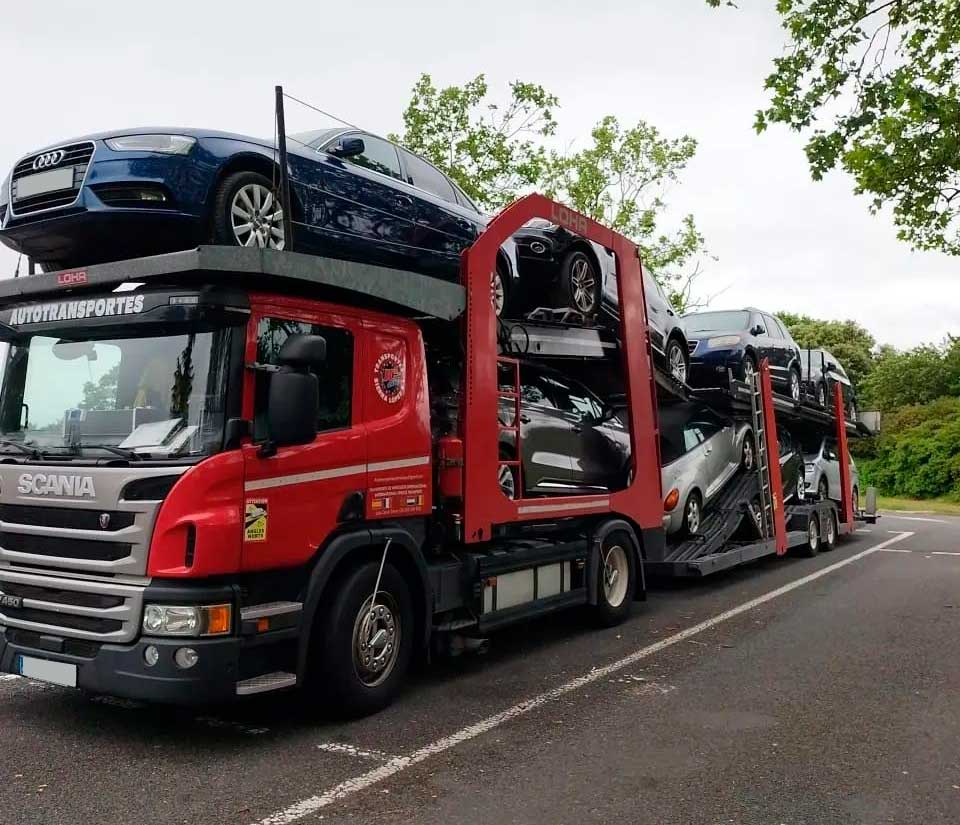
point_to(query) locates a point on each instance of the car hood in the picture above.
(158, 130)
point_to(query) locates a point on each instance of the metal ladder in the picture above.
(513, 465)
(763, 466)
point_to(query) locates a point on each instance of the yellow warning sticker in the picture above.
(255, 520)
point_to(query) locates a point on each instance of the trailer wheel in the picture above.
(812, 545)
(618, 579)
(364, 654)
(246, 212)
(830, 532)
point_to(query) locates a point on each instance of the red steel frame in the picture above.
(484, 503)
(773, 458)
(846, 482)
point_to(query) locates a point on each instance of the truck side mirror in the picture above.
(293, 403)
(348, 147)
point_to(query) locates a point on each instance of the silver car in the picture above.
(821, 470)
(700, 451)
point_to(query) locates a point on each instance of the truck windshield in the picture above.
(158, 396)
(716, 321)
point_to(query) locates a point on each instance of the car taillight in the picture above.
(671, 500)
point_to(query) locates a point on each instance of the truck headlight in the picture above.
(723, 341)
(167, 144)
(187, 620)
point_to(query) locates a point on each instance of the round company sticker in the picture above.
(388, 377)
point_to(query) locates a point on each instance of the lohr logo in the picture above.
(567, 218)
(42, 484)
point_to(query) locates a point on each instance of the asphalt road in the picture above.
(793, 691)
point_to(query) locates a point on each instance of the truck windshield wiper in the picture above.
(130, 455)
(23, 448)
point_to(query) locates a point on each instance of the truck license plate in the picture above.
(43, 670)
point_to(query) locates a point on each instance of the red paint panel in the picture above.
(846, 481)
(773, 457)
(209, 497)
(485, 505)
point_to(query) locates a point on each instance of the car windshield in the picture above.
(154, 396)
(716, 321)
(314, 138)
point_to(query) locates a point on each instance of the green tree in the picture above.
(916, 376)
(493, 152)
(875, 86)
(496, 153)
(849, 342)
(101, 395)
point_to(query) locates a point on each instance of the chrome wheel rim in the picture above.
(813, 534)
(256, 218)
(747, 459)
(497, 293)
(801, 489)
(748, 371)
(794, 386)
(677, 363)
(693, 514)
(582, 283)
(506, 481)
(831, 531)
(376, 639)
(616, 573)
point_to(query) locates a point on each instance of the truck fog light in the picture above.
(151, 655)
(185, 657)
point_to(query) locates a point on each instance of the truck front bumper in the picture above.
(121, 670)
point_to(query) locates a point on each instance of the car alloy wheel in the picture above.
(508, 486)
(821, 395)
(583, 285)
(801, 489)
(677, 361)
(376, 639)
(746, 455)
(498, 294)
(256, 217)
(795, 386)
(749, 370)
(693, 514)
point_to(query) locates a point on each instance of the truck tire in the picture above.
(356, 677)
(811, 546)
(246, 212)
(829, 537)
(618, 579)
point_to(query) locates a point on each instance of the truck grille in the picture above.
(76, 156)
(64, 548)
(77, 608)
(72, 519)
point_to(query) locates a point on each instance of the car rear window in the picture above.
(716, 321)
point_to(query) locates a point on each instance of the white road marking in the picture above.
(943, 553)
(917, 518)
(400, 763)
(863, 530)
(894, 550)
(350, 750)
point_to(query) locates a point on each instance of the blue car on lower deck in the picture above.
(144, 191)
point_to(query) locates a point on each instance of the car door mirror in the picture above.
(348, 147)
(758, 330)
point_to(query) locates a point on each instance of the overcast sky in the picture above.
(782, 241)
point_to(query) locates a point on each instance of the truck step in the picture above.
(268, 681)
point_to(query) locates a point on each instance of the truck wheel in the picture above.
(618, 579)
(246, 212)
(812, 545)
(829, 532)
(364, 654)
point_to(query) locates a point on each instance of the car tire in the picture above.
(748, 453)
(617, 571)
(692, 514)
(748, 368)
(506, 477)
(811, 546)
(801, 489)
(353, 680)
(580, 282)
(247, 212)
(677, 360)
(829, 537)
(501, 291)
(823, 489)
(793, 387)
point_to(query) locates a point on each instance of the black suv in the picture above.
(737, 340)
(821, 371)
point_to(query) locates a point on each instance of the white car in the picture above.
(821, 470)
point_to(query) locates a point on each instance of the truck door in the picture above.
(293, 499)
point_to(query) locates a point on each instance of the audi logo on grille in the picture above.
(48, 159)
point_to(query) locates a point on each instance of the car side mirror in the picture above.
(348, 147)
(757, 330)
(829, 367)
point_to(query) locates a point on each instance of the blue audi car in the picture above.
(134, 192)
